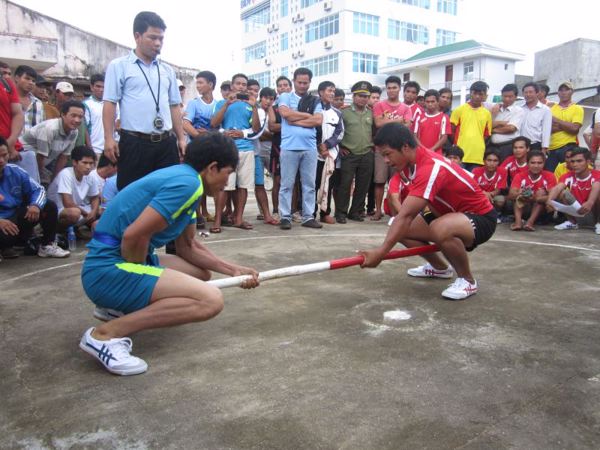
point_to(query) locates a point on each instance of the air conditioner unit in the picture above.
(327, 5)
(268, 61)
(327, 44)
(295, 19)
(275, 27)
(294, 55)
(299, 17)
(300, 53)
(269, 28)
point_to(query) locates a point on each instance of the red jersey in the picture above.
(416, 111)
(545, 180)
(399, 111)
(398, 185)
(512, 167)
(6, 101)
(580, 187)
(430, 129)
(445, 185)
(497, 181)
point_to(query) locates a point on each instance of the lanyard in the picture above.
(156, 97)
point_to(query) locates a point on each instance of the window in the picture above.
(307, 3)
(366, 24)
(284, 42)
(406, 76)
(285, 71)
(419, 3)
(256, 19)
(255, 51)
(392, 61)
(322, 28)
(263, 78)
(322, 66)
(447, 6)
(444, 37)
(468, 70)
(505, 66)
(364, 62)
(283, 8)
(410, 32)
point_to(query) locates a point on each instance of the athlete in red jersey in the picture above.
(491, 178)
(581, 184)
(460, 216)
(530, 191)
(517, 163)
(432, 128)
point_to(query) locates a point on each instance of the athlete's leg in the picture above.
(419, 234)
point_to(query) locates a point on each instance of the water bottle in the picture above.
(71, 239)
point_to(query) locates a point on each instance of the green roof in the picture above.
(450, 48)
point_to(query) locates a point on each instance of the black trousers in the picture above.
(360, 169)
(48, 220)
(505, 150)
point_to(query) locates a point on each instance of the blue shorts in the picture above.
(116, 284)
(259, 171)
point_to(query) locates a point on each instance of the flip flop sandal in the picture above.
(243, 226)
(215, 230)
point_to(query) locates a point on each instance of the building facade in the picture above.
(340, 40)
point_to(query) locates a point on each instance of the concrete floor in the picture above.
(309, 362)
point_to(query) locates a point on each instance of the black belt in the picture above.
(153, 137)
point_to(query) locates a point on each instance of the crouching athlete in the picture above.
(139, 290)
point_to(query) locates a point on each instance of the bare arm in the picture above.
(16, 126)
(292, 116)
(439, 144)
(177, 118)
(136, 239)
(189, 129)
(61, 162)
(562, 125)
(217, 119)
(513, 193)
(505, 128)
(111, 147)
(381, 121)
(273, 125)
(314, 120)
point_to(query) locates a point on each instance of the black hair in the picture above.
(81, 151)
(375, 90)
(491, 151)
(393, 79)
(394, 135)
(3, 142)
(208, 76)
(25, 70)
(339, 93)
(3, 65)
(303, 71)
(253, 82)
(104, 161)
(211, 147)
(533, 85)
(479, 86)
(510, 87)
(412, 84)
(580, 151)
(432, 92)
(226, 83)
(445, 90)
(544, 87)
(147, 19)
(455, 150)
(238, 75)
(283, 77)
(96, 78)
(523, 139)
(535, 153)
(324, 85)
(64, 109)
(267, 92)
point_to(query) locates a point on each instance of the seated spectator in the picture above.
(23, 205)
(564, 167)
(517, 163)
(75, 192)
(105, 169)
(529, 191)
(455, 154)
(492, 179)
(109, 192)
(583, 185)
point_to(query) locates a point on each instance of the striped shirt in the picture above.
(50, 140)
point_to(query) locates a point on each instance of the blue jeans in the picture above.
(291, 162)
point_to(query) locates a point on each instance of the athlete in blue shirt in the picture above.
(121, 273)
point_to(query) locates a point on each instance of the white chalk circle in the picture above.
(396, 315)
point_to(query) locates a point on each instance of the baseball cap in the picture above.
(566, 84)
(65, 87)
(362, 87)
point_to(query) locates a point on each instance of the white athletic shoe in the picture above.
(52, 251)
(114, 354)
(107, 314)
(460, 289)
(597, 228)
(428, 271)
(566, 225)
(391, 221)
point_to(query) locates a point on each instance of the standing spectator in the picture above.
(54, 139)
(182, 90)
(410, 94)
(11, 113)
(301, 114)
(543, 93)
(338, 99)
(42, 92)
(33, 113)
(357, 155)
(93, 114)
(225, 89)
(567, 118)
(62, 93)
(23, 205)
(374, 97)
(537, 119)
(446, 101)
(5, 71)
(235, 116)
(146, 91)
(473, 124)
(201, 109)
(506, 122)
(433, 127)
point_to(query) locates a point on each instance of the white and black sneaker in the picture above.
(428, 271)
(107, 314)
(114, 354)
(460, 289)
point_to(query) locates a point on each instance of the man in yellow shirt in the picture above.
(473, 124)
(567, 118)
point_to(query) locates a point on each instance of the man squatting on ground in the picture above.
(122, 273)
(459, 217)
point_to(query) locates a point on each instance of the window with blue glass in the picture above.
(322, 28)
(255, 51)
(409, 32)
(445, 37)
(393, 61)
(365, 62)
(447, 6)
(256, 19)
(285, 71)
(420, 3)
(263, 78)
(366, 24)
(284, 8)
(323, 65)
(307, 3)
(284, 42)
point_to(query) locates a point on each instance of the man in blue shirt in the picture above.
(301, 113)
(121, 273)
(237, 116)
(200, 110)
(149, 105)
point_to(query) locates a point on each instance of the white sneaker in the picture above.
(566, 225)
(428, 271)
(391, 221)
(597, 228)
(107, 314)
(460, 289)
(52, 251)
(114, 354)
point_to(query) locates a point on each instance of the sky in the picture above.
(206, 34)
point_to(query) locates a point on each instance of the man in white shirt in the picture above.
(104, 170)
(75, 192)
(93, 114)
(506, 122)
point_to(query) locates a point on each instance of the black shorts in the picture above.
(484, 226)
(274, 164)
